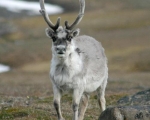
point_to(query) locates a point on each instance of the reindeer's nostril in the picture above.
(60, 52)
(60, 49)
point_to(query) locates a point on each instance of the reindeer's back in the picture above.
(94, 59)
(90, 47)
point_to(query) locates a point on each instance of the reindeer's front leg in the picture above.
(57, 97)
(83, 105)
(76, 100)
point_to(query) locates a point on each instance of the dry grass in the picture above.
(28, 95)
(42, 108)
(124, 34)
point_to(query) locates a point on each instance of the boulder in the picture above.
(140, 98)
(135, 107)
(126, 113)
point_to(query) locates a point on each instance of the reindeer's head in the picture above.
(62, 37)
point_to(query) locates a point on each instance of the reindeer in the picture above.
(78, 65)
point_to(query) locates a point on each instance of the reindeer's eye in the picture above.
(69, 38)
(54, 38)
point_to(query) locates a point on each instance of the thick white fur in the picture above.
(73, 64)
(80, 73)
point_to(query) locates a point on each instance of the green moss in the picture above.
(45, 100)
(41, 114)
(11, 113)
(67, 98)
(6, 116)
(112, 99)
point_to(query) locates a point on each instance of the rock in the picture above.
(126, 113)
(140, 98)
(135, 107)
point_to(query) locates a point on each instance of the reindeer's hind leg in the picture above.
(101, 95)
(83, 105)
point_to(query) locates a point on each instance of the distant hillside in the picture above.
(122, 27)
(73, 6)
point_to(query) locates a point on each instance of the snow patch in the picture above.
(32, 8)
(4, 68)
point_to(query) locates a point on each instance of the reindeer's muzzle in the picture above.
(60, 49)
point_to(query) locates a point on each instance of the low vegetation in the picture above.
(42, 108)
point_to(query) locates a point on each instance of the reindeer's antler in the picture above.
(79, 18)
(46, 17)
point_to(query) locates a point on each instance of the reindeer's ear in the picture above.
(76, 32)
(49, 33)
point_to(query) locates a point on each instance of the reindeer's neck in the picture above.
(72, 61)
(69, 60)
